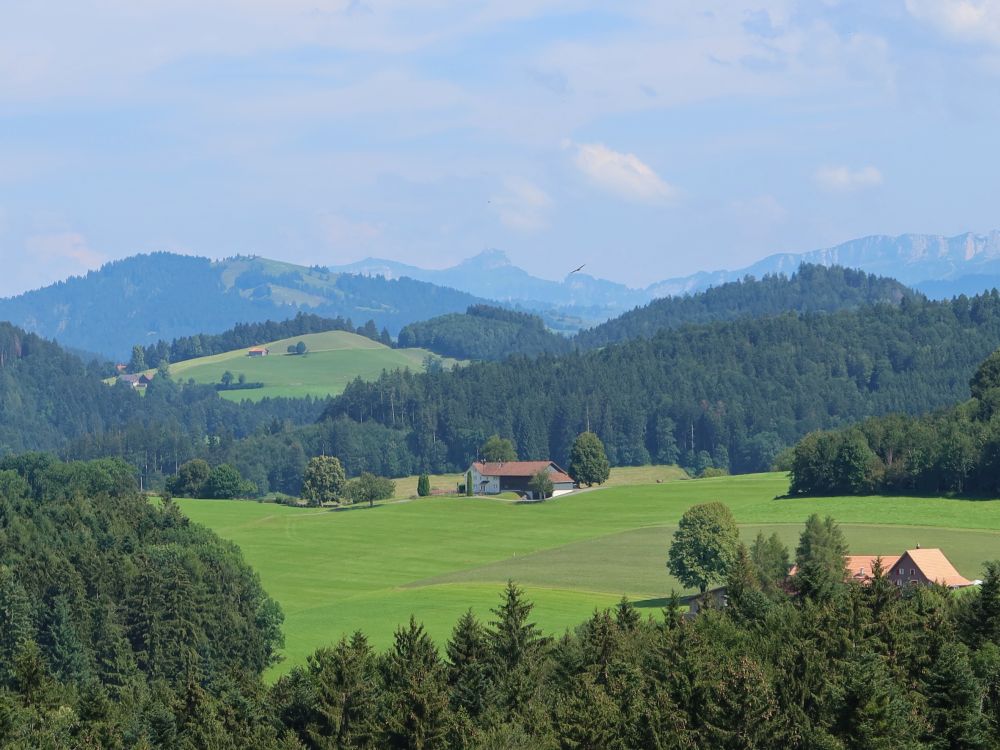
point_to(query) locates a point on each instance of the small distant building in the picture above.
(258, 351)
(121, 367)
(135, 381)
(515, 476)
(914, 567)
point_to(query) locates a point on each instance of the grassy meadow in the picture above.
(335, 358)
(334, 571)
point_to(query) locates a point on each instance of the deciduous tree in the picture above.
(323, 480)
(588, 463)
(704, 545)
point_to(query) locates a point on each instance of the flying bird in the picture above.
(575, 270)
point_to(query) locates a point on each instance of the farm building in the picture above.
(137, 381)
(515, 476)
(258, 351)
(915, 566)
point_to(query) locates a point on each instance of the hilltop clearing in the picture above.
(332, 360)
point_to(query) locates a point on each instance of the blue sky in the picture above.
(647, 139)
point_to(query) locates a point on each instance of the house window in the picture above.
(912, 572)
(901, 571)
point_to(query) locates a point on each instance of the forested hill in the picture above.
(50, 401)
(812, 288)
(488, 333)
(147, 298)
(484, 332)
(730, 394)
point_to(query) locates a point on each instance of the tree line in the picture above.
(730, 395)
(954, 450)
(244, 335)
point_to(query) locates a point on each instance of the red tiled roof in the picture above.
(521, 469)
(859, 567)
(936, 567)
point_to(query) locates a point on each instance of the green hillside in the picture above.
(334, 359)
(369, 569)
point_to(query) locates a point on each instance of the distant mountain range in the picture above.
(936, 265)
(146, 298)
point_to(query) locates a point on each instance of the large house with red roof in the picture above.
(492, 478)
(915, 566)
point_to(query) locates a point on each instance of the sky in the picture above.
(645, 139)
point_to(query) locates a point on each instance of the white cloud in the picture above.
(522, 205)
(843, 178)
(623, 174)
(69, 249)
(973, 20)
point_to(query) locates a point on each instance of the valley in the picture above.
(337, 571)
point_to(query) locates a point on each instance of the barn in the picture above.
(492, 478)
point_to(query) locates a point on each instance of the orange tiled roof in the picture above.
(520, 469)
(936, 567)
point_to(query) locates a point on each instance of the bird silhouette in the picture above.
(575, 270)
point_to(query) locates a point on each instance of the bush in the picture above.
(423, 485)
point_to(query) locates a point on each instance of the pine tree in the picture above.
(467, 652)
(16, 628)
(344, 706)
(515, 647)
(67, 657)
(954, 702)
(821, 558)
(627, 616)
(415, 710)
(872, 711)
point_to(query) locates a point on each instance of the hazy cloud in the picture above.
(62, 247)
(843, 178)
(973, 20)
(522, 205)
(624, 174)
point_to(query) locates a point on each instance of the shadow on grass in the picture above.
(927, 494)
(659, 603)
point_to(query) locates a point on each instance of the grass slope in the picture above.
(335, 358)
(369, 569)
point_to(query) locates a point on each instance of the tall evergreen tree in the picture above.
(415, 712)
(821, 558)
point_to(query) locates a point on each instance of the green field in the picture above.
(335, 358)
(337, 571)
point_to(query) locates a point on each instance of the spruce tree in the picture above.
(415, 706)
(821, 558)
(467, 652)
(16, 627)
(515, 647)
(955, 702)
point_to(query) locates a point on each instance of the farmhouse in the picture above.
(515, 476)
(258, 351)
(915, 566)
(132, 380)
